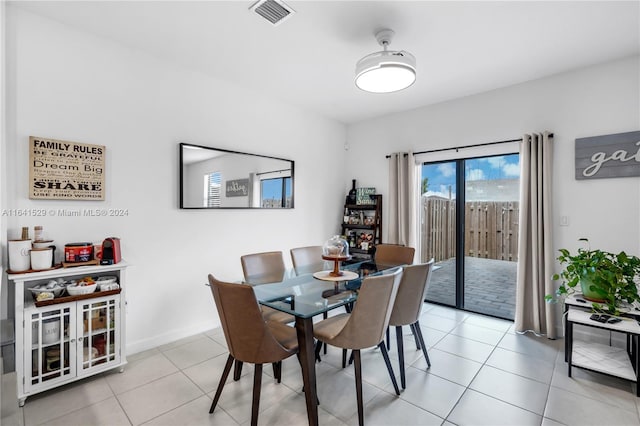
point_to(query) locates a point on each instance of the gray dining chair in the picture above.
(249, 337)
(407, 308)
(364, 327)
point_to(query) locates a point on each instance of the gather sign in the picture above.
(608, 156)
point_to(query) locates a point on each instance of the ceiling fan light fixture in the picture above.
(386, 71)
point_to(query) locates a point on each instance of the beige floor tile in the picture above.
(478, 333)
(103, 413)
(610, 390)
(508, 387)
(180, 342)
(337, 393)
(140, 372)
(194, 413)
(432, 393)
(438, 322)
(236, 398)
(387, 409)
(450, 313)
(521, 364)
(161, 396)
(476, 409)
(207, 374)
(63, 400)
(140, 355)
(549, 422)
(291, 411)
(489, 322)
(448, 366)
(466, 348)
(194, 352)
(528, 344)
(572, 409)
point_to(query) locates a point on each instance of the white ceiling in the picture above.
(461, 48)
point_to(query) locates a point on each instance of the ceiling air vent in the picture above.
(274, 11)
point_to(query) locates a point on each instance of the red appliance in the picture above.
(78, 252)
(110, 251)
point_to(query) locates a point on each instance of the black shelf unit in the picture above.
(359, 234)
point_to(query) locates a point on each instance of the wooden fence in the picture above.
(491, 229)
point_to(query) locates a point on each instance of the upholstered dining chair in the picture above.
(394, 254)
(364, 327)
(249, 337)
(407, 307)
(264, 268)
(305, 257)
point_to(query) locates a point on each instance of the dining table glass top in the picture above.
(302, 295)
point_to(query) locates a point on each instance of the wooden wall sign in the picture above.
(63, 170)
(237, 188)
(608, 156)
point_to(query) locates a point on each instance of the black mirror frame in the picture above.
(181, 146)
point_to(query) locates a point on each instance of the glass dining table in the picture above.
(305, 296)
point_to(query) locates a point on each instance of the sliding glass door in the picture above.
(469, 218)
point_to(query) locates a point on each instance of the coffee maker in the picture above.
(110, 251)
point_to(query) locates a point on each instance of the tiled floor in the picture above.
(482, 373)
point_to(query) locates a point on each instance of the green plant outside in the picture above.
(607, 276)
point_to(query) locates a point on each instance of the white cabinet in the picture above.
(58, 343)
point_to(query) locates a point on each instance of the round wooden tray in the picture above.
(327, 276)
(28, 271)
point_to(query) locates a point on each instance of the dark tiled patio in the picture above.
(490, 286)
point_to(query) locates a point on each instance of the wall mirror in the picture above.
(214, 178)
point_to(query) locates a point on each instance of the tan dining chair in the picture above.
(304, 258)
(407, 308)
(264, 268)
(364, 327)
(394, 254)
(249, 337)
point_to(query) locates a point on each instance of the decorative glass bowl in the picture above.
(335, 246)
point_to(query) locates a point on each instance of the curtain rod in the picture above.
(273, 171)
(466, 146)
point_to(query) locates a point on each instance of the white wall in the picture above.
(599, 100)
(68, 85)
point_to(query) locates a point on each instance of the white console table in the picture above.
(605, 359)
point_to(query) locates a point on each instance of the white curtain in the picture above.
(402, 224)
(535, 246)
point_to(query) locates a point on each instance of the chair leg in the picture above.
(237, 370)
(403, 381)
(388, 340)
(325, 315)
(277, 371)
(223, 380)
(344, 358)
(415, 337)
(387, 361)
(257, 384)
(318, 348)
(416, 327)
(358, 371)
(351, 358)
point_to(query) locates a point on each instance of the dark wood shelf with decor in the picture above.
(362, 227)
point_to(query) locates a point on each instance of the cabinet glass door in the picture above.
(100, 333)
(50, 357)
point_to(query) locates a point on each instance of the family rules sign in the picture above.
(63, 170)
(608, 156)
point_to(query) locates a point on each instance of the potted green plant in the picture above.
(605, 278)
